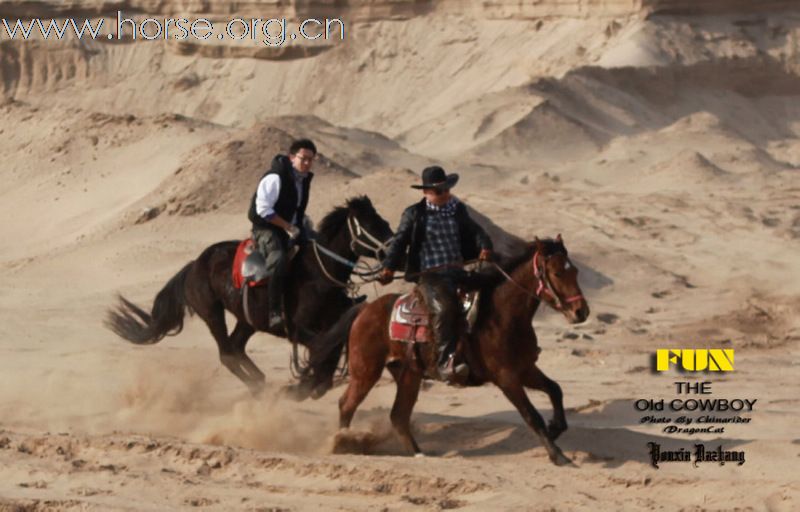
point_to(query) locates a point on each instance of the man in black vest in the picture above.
(436, 236)
(277, 211)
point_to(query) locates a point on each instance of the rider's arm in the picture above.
(277, 220)
(402, 237)
(266, 196)
(481, 237)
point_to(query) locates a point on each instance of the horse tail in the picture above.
(327, 346)
(132, 323)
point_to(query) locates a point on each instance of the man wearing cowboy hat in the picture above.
(436, 236)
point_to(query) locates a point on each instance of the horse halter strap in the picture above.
(356, 232)
(545, 287)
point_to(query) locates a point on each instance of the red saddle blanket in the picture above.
(244, 249)
(409, 320)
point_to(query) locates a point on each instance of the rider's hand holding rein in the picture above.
(485, 255)
(293, 231)
(386, 276)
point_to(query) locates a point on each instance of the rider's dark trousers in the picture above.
(272, 243)
(439, 290)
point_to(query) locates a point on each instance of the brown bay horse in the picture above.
(315, 299)
(501, 347)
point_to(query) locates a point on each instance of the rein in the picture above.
(317, 249)
(356, 232)
(544, 286)
(435, 269)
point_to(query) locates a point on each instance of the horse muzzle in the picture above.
(578, 312)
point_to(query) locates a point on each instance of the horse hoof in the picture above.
(257, 393)
(319, 391)
(296, 392)
(419, 455)
(559, 459)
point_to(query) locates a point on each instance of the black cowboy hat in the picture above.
(435, 177)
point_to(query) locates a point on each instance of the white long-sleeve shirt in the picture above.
(269, 188)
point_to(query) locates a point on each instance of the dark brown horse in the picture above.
(315, 299)
(501, 347)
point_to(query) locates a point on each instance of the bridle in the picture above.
(372, 245)
(544, 286)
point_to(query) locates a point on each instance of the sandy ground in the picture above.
(664, 148)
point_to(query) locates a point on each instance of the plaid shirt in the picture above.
(442, 243)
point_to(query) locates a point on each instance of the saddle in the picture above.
(410, 317)
(250, 266)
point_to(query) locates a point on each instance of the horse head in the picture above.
(370, 233)
(557, 279)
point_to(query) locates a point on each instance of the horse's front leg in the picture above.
(534, 378)
(513, 389)
(408, 384)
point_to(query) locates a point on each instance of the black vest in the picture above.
(286, 206)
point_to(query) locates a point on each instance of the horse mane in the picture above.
(333, 222)
(509, 264)
(493, 279)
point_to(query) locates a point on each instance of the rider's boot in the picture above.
(276, 320)
(447, 338)
(449, 370)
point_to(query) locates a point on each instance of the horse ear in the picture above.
(538, 243)
(559, 239)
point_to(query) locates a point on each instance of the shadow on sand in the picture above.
(604, 435)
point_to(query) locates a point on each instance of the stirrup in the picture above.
(450, 371)
(277, 323)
